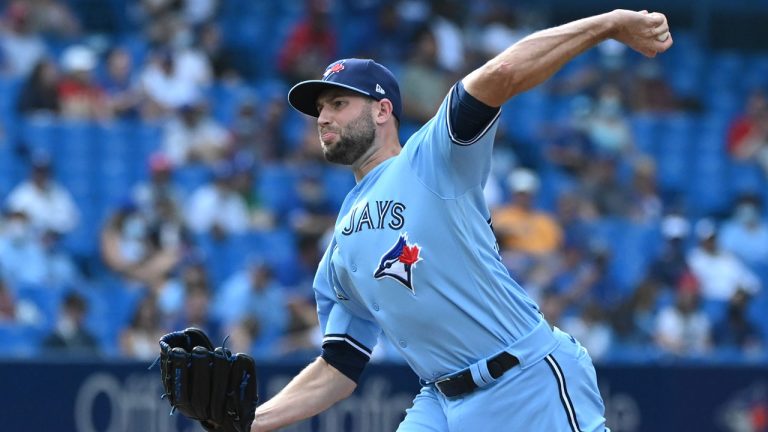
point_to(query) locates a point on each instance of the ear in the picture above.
(383, 111)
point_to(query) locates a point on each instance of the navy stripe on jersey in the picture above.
(476, 117)
(563, 390)
(350, 340)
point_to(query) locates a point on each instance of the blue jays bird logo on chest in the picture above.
(399, 261)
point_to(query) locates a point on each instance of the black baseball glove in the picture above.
(206, 384)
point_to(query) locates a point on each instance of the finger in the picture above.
(660, 30)
(666, 44)
(655, 19)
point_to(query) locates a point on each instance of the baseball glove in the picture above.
(206, 384)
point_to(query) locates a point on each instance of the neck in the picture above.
(382, 149)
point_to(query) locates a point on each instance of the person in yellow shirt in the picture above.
(519, 226)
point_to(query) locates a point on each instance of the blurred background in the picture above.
(152, 177)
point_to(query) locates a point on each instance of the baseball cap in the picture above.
(523, 180)
(363, 76)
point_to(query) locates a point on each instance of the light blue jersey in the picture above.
(414, 256)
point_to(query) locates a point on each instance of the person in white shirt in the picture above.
(683, 328)
(216, 207)
(194, 137)
(720, 273)
(49, 206)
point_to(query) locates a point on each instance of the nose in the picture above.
(322, 118)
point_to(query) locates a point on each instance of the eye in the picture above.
(338, 103)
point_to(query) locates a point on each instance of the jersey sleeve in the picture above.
(338, 323)
(447, 164)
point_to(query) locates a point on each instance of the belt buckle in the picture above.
(443, 381)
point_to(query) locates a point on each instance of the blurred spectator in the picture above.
(311, 44)
(7, 303)
(244, 184)
(71, 337)
(496, 29)
(216, 208)
(198, 12)
(316, 213)
(449, 39)
(19, 245)
(22, 48)
(611, 69)
(40, 92)
(603, 187)
(608, 127)
(194, 136)
(256, 129)
(167, 85)
(189, 274)
(387, 42)
(120, 86)
(582, 276)
(80, 96)
(36, 258)
(139, 339)
(720, 273)
(671, 264)
(748, 134)
(736, 330)
(254, 294)
(644, 195)
(425, 83)
(649, 90)
(195, 311)
(746, 233)
(683, 328)
(49, 206)
(162, 21)
(126, 248)
(53, 18)
(575, 214)
(519, 226)
(591, 329)
(634, 320)
(570, 147)
(221, 59)
(160, 189)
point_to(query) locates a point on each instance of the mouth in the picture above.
(327, 137)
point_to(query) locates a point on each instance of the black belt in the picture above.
(462, 383)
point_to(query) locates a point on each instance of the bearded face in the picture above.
(354, 140)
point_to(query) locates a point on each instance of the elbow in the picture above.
(504, 81)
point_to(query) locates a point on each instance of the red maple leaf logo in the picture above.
(410, 254)
(338, 67)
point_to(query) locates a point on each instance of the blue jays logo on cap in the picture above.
(333, 68)
(399, 261)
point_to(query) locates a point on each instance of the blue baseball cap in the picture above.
(363, 76)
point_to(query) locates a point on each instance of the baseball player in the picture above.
(413, 253)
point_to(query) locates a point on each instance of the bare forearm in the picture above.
(311, 392)
(535, 58)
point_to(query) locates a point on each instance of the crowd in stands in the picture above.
(152, 176)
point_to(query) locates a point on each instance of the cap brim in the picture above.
(303, 96)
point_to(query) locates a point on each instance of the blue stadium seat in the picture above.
(191, 177)
(276, 185)
(645, 131)
(38, 133)
(20, 340)
(337, 182)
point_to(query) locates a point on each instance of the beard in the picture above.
(354, 141)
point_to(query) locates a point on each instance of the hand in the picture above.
(641, 30)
